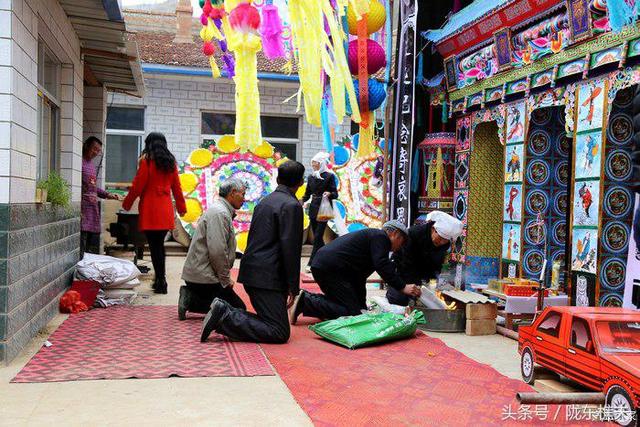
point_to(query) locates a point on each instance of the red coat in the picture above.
(154, 187)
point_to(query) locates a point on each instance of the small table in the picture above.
(523, 308)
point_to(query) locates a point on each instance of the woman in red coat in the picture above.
(156, 179)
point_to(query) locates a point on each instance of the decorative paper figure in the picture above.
(513, 163)
(590, 105)
(586, 203)
(513, 203)
(515, 122)
(511, 242)
(582, 295)
(503, 47)
(584, 252)
(588, 154)
(579, 19)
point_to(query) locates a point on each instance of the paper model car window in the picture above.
(580, 333)
(550, 325)
(619, 337)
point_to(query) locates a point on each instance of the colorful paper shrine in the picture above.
(436, 177)
(542, 96)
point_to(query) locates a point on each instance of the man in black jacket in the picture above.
(270, 267)
(423, 255)
(342, 267)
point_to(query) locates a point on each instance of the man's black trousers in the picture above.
(343, 296)
(270, 324)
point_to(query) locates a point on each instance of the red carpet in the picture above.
(418, 381)
(139, 342)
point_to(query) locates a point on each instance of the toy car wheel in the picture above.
(621, 406)
(527, 366)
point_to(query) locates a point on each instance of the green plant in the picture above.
(58, 190)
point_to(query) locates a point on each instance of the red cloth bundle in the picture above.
(70, 303)
(88, 290)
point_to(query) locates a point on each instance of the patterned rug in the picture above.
(139, 342)
(418, 381)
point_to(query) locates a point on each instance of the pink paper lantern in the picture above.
(376, 58)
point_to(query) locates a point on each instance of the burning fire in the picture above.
(448, 306)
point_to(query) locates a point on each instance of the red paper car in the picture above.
(598, 347)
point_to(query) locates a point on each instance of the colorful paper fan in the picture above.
(222, 161)
(194, 211)
(188, 182)
(200, 158)
(227, 144)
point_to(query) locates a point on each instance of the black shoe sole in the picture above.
(206, 328)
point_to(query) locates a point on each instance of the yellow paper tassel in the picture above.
(215, 71)
(340, 76)
(287, 68)
(248, 130)
(213, 30)
(366, 147)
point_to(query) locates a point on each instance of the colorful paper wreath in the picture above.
(216, 161)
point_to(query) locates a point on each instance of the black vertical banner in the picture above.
(399, 206)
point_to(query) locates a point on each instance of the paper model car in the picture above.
(598, 347)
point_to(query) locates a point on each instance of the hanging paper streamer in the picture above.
(307, 25)
(271, 31)
(241, 28)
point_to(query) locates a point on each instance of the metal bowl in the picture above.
(443, 320)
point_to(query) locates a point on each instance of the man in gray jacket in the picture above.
(212, 253)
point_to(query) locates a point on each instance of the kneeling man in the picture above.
(342, 267)
(212, 253)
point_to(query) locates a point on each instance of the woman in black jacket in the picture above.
(320, 183)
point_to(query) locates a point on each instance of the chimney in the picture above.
(184, 18)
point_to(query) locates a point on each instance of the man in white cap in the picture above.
(423, 256)
(342, 267)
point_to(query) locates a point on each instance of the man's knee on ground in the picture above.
(280, 335)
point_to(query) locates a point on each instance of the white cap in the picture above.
(447, 226)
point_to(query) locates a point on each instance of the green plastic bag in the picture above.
(369, 328)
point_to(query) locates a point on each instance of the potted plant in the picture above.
(41, 191)
(57, 190)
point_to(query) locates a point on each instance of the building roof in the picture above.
(155, 31)
(464, 17)
(110, 56)
(159, 48)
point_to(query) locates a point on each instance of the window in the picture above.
(550, 325)
(281, 132)
(125, 129)
(581, 335)
(48, 113)
(125, 118)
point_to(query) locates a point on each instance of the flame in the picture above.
(450, 306)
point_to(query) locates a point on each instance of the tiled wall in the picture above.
(39, 246)
(174, 105)
(21, 23)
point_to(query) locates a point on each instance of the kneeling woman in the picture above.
(423, 255)
(156, 179)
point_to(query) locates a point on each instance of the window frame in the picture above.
(292, 141)
(589, 332)
(545, 318)
(123, 132)
(53, 103)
